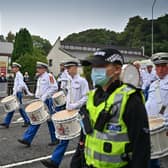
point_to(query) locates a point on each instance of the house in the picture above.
(58, 55)
(63, 51)
(81, 51)
(6, 50)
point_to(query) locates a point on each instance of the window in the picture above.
(50, 62)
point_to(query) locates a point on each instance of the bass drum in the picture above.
(130, 75)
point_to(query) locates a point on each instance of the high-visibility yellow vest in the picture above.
(114, 133)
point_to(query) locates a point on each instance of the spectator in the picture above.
(2, 77)
(26, 77)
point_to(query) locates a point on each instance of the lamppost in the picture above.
(152, 48)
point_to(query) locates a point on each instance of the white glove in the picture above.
(30, 94)
(14, 94)
(72, 106)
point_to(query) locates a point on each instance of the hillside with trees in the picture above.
(136, 34)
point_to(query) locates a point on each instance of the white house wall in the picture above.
(58, 56)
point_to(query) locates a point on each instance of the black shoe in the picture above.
(54, 143)
(49, 164)
(25, 124)
(3, 125)
(24, 142)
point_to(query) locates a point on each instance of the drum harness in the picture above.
(158, 95)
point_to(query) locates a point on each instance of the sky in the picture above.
(53, 18)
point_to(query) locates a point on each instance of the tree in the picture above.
(23, 44)
(137, 33)
(10, 37)
(87, 74)
(97, 36)
(42, 44)
(29, 64)
(2, 38)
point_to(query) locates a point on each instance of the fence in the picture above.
(6, 88)
(3, 89)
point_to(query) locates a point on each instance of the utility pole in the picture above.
(152, 47)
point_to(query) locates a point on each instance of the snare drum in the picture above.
(130, 75)
(10, 103)
(67, 125)
(159, 138)
(37, 112)
(59, 99)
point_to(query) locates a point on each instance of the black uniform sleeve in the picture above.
(136, 120)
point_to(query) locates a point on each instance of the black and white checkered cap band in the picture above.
(114, 57)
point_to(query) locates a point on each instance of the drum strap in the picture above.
(38, 88)
(158, 95)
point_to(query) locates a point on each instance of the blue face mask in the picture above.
(99, 77)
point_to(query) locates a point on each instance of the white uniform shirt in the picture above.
(77, 92)
(64, 77)
(148, 78)
(46, 86)
(157, 99)
(19, 83)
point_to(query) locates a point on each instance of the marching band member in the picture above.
(63, 78)
(157, 103)
(76, 97)
(46, 87)
(118, 134)
(148, 77)
(137, 64)
(19, 86)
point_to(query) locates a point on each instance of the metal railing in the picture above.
(31, 85)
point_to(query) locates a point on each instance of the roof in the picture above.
(61, 49)
(6, 48)
(99, 46)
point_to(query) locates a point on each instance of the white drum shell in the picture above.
(38, 116)
(159, 141)
(67, 129)
(130, 75)
(59, 99)
(10, 103)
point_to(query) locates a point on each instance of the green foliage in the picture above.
(28, 62)
(23, 44)
(10, 37)
(2, 39)
(137, 33)
(97, 36)
(87, 74)
(42, 44)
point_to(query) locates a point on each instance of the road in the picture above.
(16, 155)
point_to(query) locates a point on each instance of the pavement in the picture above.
(16, 155)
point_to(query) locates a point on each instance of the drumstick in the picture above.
(162, 110)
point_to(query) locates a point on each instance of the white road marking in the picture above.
(33, 160)
(19, 120)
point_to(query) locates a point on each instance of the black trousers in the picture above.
(78, 159)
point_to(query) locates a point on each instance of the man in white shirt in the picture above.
(46, 87)
(148, 77)
(76, 97)
(157, 103)
(19, 86)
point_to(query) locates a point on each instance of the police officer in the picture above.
(76, 97)
(46, 87)
(19, 86)
(119, 135)
(157, 103)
